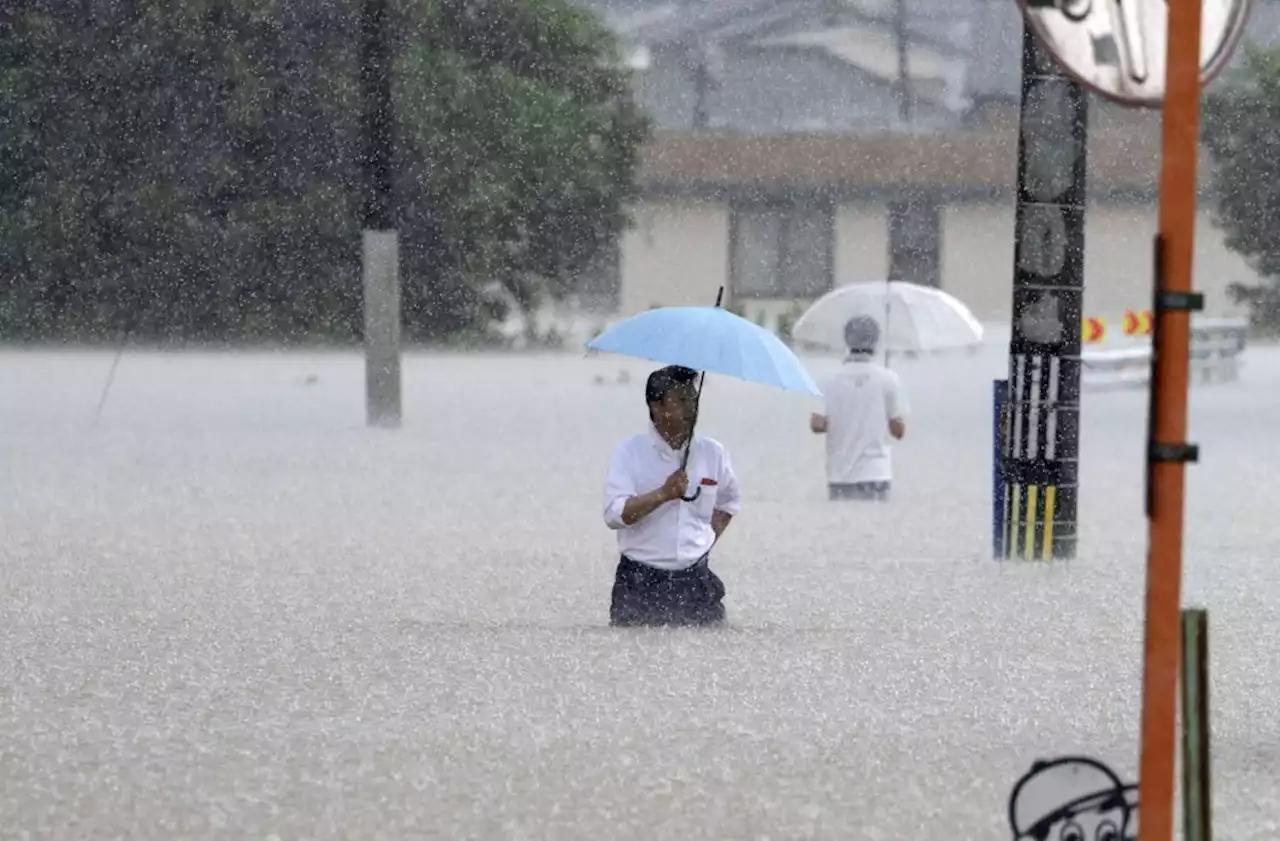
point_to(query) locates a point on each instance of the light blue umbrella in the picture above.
(708, 339)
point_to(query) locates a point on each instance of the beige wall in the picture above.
(862, 243)
(977, 260)
(861, 254)
(678, 253)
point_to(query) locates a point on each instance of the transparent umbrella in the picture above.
(912, 318)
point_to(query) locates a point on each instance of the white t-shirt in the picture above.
(860, 401)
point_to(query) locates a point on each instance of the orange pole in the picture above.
(1162, 650)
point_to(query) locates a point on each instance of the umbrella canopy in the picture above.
(708, 339)
(912, 318)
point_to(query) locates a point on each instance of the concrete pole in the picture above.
(381, 260)
(380, 256)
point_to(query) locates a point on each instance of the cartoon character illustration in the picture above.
(1073, 798)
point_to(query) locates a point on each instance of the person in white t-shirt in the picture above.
(866, 409)
(668, 517)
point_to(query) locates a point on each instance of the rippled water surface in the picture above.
(230, 610)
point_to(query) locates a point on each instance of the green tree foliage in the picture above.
(1242, 133)
(190, 170)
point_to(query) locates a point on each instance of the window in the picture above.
(915, 241)
(781, 249)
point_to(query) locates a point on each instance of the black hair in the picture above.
(663, 380)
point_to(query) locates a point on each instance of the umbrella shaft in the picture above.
(697, 405)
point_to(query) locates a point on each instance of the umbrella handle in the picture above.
(684, 462)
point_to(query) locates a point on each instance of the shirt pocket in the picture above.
(705, 505)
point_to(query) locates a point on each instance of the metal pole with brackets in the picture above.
(1167, 449)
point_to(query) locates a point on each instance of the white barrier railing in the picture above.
(1216, 347)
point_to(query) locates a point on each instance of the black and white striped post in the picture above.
(1041, 442)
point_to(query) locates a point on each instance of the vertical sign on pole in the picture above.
(1041, 451)
(1197, 791)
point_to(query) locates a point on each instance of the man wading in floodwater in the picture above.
(668, 518)
(866, 410)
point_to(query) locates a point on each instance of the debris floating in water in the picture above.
(624, 377)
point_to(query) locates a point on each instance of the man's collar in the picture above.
(860, 356)
(660, 443)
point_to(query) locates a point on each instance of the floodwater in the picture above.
(230, 610)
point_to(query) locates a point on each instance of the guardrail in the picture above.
(1217, 345)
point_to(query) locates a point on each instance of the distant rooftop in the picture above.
(959, 52)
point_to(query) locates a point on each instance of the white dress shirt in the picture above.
(860, 401)
(677, 533)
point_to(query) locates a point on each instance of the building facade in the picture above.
(813, 143)
(681, 250)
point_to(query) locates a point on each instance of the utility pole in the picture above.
(701, 86)
(380, 257)
(904, 68)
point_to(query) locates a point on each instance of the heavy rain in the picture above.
(278, 563)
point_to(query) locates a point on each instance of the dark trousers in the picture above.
(875, 491)
(643, 595)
